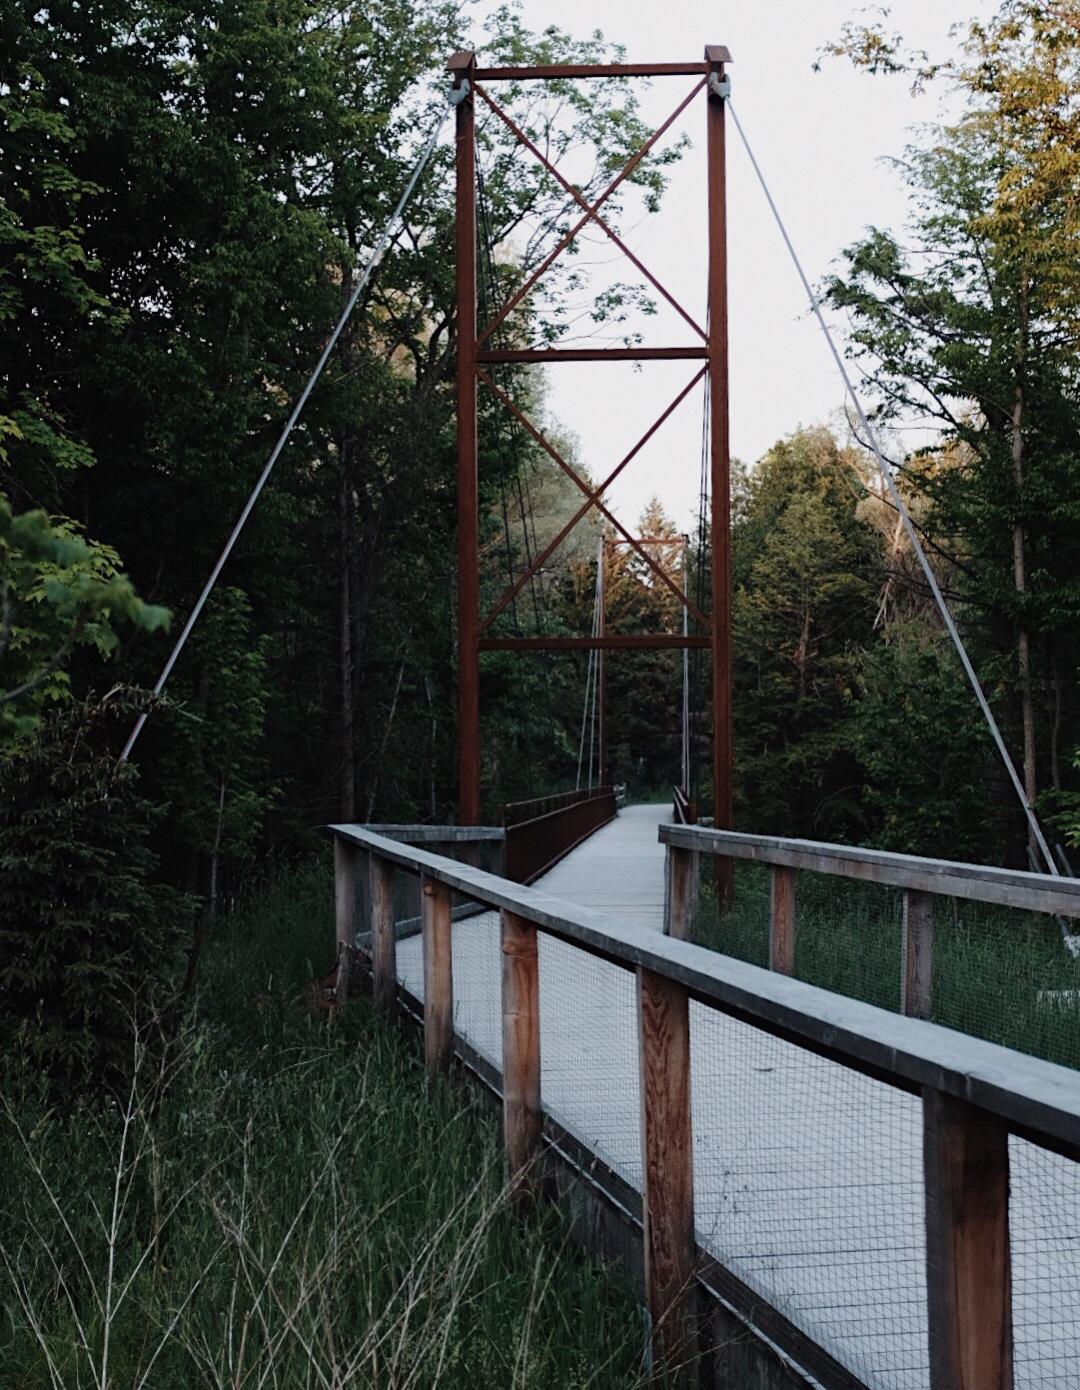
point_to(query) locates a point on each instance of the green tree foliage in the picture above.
(805, 588)
(971, 319)
(932, 784)
(57, 593)
(86, 937)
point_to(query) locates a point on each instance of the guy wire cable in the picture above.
(916, 544)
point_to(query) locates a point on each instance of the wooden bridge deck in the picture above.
(808, 1177)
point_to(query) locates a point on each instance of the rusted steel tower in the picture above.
(476, 354)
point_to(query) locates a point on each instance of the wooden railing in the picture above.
(683, 810)
(544, 830)
(471, 844)
(974, 1094)
(920, 879)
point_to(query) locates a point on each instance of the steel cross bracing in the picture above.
(476, 354)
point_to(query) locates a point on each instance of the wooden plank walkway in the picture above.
(808, 1177)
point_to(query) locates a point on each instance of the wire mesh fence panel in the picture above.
(848, 937)
(477, 981)
(808, 1187)
(1006, 976)
(1002, 974)
(588, 1032)
(742, 930)
(1044, 1216)
(589, 1053)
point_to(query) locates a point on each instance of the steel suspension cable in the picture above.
(591, 674)
(426, 152)
(898, 502)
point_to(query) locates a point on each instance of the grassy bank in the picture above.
(284, 1202)
(998, 974)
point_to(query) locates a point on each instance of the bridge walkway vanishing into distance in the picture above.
(808, 1177)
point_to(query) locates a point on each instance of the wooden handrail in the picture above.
(1038, 1099)
(978, 882)
(974, 1093)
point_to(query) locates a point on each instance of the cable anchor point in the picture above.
(719, 86)
(458, 93)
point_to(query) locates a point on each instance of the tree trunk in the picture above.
(1023, 635)
(1055, 719)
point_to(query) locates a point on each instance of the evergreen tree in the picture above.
(805, 570)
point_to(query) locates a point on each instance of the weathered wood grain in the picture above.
(917, 953)
(679, 892)
(523, 1115)
(977, 882)
(667, 1165)
(383, 934)
(1038, 1098)
(438, 975)
(969, 1285)
(782, 920)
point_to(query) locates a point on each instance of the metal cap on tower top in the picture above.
(717, 53)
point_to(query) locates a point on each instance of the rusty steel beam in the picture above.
(696, 352)
(524, 74)
(631, 641)
(653, 540)
(468, 537)
(719, 457)
(601, 664)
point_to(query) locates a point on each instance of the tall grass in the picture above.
(998, 974)
(278, 1201)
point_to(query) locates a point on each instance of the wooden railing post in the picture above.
(383, 940)
(523, 1115)
(782, 920)
(668, 1165)
(344, 914)
(435, 903)
(917, 953)
(969, 1283)
(679, 893)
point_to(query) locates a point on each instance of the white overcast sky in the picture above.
(820, 138)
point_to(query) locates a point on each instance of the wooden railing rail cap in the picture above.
(1039, 1098)
(1006, 887)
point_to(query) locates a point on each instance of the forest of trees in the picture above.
(184, 197)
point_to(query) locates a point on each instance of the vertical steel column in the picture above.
(719, 458)
(463, 66)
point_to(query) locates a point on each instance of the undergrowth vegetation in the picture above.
(998, 973)
(278, 1200)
